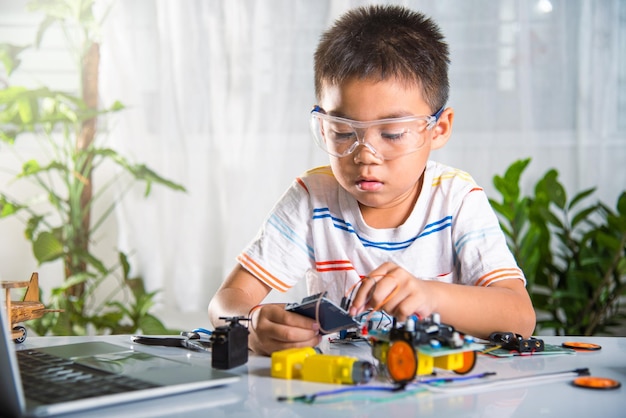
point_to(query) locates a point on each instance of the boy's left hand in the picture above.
(394, 290)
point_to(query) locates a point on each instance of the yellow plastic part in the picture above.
(450, 361)
(425, 364)
(287, 364)
(325, 368)
(380, 350)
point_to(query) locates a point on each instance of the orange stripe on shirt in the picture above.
(334, 269)
(325, 263)
(301, 183)
(495, 275)
(262, 274)
(335, 265)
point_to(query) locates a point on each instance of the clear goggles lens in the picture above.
(385, 138)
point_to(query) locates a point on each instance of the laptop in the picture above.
(123, 375)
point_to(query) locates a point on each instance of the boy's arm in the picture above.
(271, 327)
(239, 293)
(475, 310)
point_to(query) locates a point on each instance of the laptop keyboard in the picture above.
(51, 379)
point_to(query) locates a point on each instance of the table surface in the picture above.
(506, 395)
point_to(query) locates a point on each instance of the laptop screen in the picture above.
(11, 395)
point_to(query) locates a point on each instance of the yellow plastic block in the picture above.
(328, 369)
(379, 351)
(425, 364)
(450, 361)
(287, 364)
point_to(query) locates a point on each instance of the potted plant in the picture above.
(69, 129)
(572, 253)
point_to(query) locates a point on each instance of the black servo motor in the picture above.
(230, 344)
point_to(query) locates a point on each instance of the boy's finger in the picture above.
(364, 293)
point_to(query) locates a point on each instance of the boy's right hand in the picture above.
(272, 328)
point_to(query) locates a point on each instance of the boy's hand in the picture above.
(272, 328)
(394, 290)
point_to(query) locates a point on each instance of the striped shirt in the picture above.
(316, 232)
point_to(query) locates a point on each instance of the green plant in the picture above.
(573, 255)
(64, 126)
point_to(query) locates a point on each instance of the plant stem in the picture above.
(84, 141)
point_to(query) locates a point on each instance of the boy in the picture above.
(412, 236)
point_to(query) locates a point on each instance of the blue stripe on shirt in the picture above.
(286, 231)
(476, 235)
(323, 213)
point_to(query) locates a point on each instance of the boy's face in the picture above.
(374, 182)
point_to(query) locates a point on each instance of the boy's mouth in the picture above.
(369, 185)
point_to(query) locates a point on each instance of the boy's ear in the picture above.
(443, 129)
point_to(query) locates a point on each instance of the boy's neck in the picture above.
(393, 216)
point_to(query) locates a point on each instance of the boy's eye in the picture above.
(347, 137)
(342, 134)
(396, 134)
(393, 136)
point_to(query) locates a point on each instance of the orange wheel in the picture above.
(469, 361)
(401, 361)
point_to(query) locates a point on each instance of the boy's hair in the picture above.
(383, 42)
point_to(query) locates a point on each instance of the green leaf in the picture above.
(47, 247)
(618, 224)
(26, 109)
(117, 106)
(621, 269)
(501, 186)
(621, 204)
(8, 135)
(30, 167)
(151, 325)
(90, 259)
(72, 281)
(111, 320)
(581, 196)
(139, 171)
(583, 215)
(508, 185)
(136, 285)
(609, 241)
(9, 56)
(551, 190)
(122, 309)
(124, 263)
(514, 172)
(8, 208)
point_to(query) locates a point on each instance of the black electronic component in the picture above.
(332, 318)
(511, 341)
(427, 331)
(230, 344)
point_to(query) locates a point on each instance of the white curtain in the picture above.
(218, 95)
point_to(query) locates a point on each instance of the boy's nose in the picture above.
(366, 154)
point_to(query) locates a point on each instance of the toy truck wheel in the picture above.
(469, 361)
(401, 361)
(22, 337)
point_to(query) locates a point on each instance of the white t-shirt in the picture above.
(316, 232)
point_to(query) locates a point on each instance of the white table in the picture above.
(255, 395)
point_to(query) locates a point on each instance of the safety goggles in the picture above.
(386, 138)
